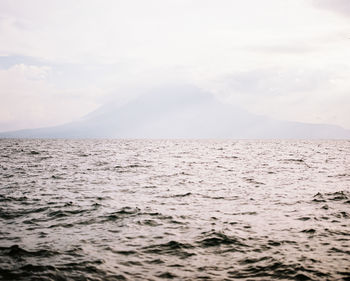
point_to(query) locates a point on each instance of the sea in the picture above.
(118, 209)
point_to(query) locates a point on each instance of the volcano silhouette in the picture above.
(180, 112)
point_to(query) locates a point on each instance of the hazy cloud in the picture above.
(285, 93)
(29, 100)
(339, 6)
(80, 54)
(284, 49)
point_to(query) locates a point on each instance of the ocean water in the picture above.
(174, 209)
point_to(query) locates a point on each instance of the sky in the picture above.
(60, 60)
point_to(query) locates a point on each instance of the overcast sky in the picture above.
(61, 59)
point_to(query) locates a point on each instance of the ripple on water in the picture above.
(174, 209)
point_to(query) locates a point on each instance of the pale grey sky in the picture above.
(286, 59)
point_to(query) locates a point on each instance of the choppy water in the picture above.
(186, 210)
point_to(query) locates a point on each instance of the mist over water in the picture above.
(174, 209)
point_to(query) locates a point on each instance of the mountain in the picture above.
(180, 112)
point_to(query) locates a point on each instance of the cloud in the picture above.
(29, 100)
(31, 72)
(292, 49)
(341, 7)
(181, 32)
(89, 49)
(305, 95)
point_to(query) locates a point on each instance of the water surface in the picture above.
(174, 209)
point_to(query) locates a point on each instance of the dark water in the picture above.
(183, 210)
